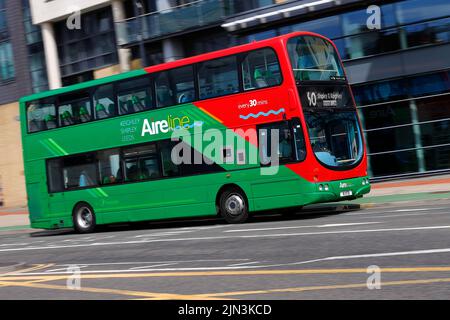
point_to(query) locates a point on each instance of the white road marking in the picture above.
(243, 264)
(404, 215)
(393, 211)
(298, 227)
(153, 266)
(182, 230)
(152, 262)
(375, 255)
(166, 233)
(94, 244)
(240, 267)
(64, 269)
(345, 231)
(13, 244)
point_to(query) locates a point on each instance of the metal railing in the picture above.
(172, 20)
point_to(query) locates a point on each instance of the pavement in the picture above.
(417, 190)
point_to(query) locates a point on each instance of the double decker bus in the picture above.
(102, 151)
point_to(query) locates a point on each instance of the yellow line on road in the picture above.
(217, 296)
(223, 273)
(30, 269)
(330, 287)
(141, 294)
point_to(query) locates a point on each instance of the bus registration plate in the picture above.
(346, 193)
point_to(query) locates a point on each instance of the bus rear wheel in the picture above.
(233, 206)
(84, 218)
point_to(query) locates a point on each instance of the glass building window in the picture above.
(436, 113)
(437, 158)
(402, 132)
(37, 67)
(386, 115)
(435, 108)
(391, 139)
(371, 43)
(7, 71)
(3, 23)
(32, 31)
(400, 162)
(433, 32)
(429, 84)
(380, 92)
(262, 35)
(218, 77)
(195, 44)
(261, 69)
(89, 48)
(417, 10)
(355, 22)
(330, 27)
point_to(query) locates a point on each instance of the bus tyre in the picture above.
(233, 206)
(84, 218)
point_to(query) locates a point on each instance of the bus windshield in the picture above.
(314, 59)
(335, 137)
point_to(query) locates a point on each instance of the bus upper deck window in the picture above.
(41, 115)
(314, 59)
(104, 102)
(261, 69)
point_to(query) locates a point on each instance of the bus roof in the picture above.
(165, 66)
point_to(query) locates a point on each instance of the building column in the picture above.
(172, 48)
(51, 56)
(118, 11)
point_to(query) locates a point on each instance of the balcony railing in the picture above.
(173, 20)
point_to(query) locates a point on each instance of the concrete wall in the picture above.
(44, 10)
(115, 69)
(11, 159)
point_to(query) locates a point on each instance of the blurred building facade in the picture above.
(400, 73)
(22, 71)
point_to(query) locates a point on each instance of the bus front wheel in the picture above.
(233, 206)
(84, 218)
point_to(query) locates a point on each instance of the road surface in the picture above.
(320, 253)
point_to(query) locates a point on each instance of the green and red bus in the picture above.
(101, 152)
